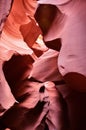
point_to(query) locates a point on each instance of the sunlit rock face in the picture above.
(11, 34)
(19, 14)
